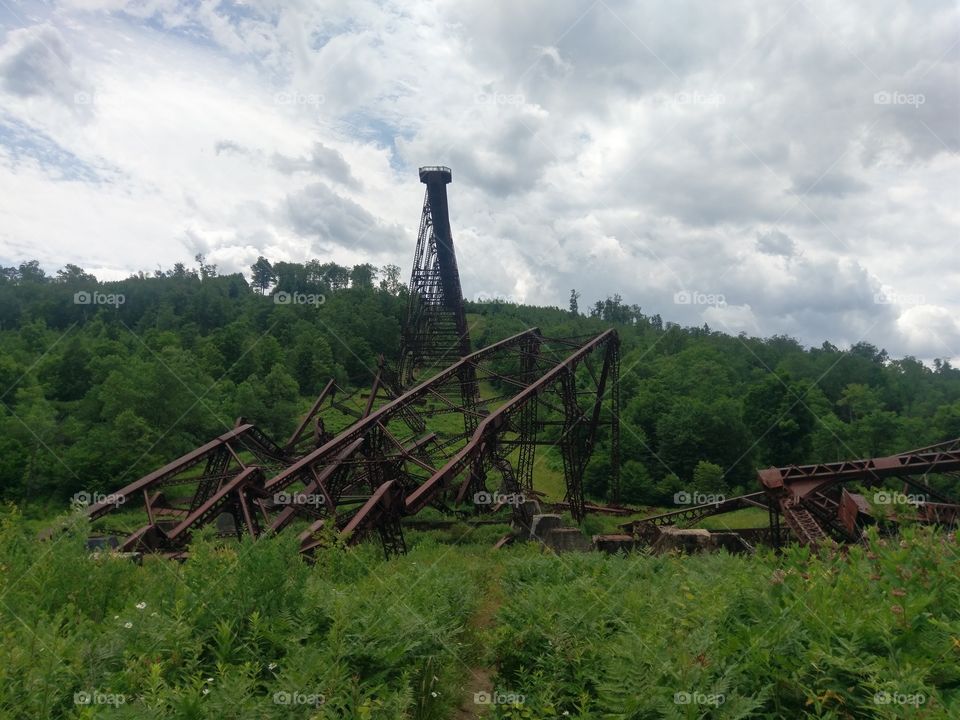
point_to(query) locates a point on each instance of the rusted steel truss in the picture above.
(689, 516)
(399, 449)
(401, 455)
(435, 332)
(816, 503)
(441, 428)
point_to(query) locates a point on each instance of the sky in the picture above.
(783, 167)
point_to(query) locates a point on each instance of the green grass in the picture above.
(738, 519)
(240, 626)
(802, 636)
(220, 635)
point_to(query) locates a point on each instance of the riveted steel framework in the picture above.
(444, 428)
(435, 332)
(364, 479)
(815, 503)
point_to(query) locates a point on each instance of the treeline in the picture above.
(101, 382)
(702, 410)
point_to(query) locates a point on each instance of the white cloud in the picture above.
(35, 62)
(930, 331)
(769, 153)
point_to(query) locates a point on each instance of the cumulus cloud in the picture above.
(322, 160)
(318, 212)
(798, 160)
(775, 242)
(930, 331)
(36, 61)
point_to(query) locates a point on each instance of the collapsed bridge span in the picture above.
(443, 427)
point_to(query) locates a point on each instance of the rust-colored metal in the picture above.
(853, 511)
(435, 332)
(688, 516)
(816, 505)
(397, 453)
(813, 502)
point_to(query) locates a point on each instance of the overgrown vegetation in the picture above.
(97, 391)
(95, 395)
(250, 631)
(732, 637)
(240, 631)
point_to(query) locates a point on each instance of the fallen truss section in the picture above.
(813, 504)
(442, 429)
(399, 457)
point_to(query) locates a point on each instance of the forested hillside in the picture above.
(104, 381)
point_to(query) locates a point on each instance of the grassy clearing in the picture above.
(738, 519)
(250, 631)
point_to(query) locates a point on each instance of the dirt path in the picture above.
(480, 677)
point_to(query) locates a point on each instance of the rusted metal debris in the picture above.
(814, 505)
(400, 455)
(814, 502)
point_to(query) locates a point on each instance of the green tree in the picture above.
(69, 377)
(859, 400)
(636, 484)
(693, 430)
(708, 477)
(204, 269)
(73, 275)
(362, 276)
(390, 279)
(262, 274)
(335, 277)
(31, 272)
(776, 411)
